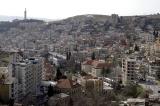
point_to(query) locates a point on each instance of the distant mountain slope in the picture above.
(89, 16)
(91, 24)
(10, 18)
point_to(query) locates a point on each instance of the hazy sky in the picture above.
(55, 9)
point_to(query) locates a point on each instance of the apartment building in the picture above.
(129, 69)
(154, 68)
(29, 75)
(95, 67)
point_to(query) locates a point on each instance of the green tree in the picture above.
(155, 33)
(133, 90)
(136, 48)
(105, 71)
(68, 55)
(93, 56)
(72, 71)
(58, 74)
(11, 102)
(50, 91)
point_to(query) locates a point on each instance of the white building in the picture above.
(95, 67)
(87, 66)
(36, 68)
(29, 75)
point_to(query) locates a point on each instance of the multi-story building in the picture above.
(36, 68)
(8, 86)
(95, 67)
(98, 67)
(129, 69)
(87, 66)
(154, 68)
(48, 72)
(90, 83)
(29, 75)
(23, 74)
(61, 99)
(157, 46)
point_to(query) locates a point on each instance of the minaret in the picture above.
(25, 14)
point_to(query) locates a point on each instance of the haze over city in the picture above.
(79, 53)
(60, 9)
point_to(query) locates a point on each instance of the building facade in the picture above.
(29, 75)
(129, 69)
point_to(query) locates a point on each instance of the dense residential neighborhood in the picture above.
(86, 60)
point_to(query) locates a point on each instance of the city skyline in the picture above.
(61, 9)
(102, 56)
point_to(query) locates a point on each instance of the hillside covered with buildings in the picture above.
(85, 60)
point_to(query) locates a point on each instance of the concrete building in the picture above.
(154, 68)
(95, 67)
(114, 19)
(29, 75)
(49, 70)
(89, 83)
(129, 69)
(36, 68)
(157, 46)
(87, 66)
(23, 75)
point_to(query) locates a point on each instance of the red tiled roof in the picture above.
(97, 63)
(100, 64)
(88, 62)
(66, 83)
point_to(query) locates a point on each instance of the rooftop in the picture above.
(135, 100)
(66, 83)
(97, 63)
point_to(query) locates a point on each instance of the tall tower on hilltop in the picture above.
(25, 14)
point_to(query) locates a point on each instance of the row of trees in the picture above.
(106, 72)
(156, 34)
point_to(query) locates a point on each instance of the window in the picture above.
(12, 95)
(12, 86)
